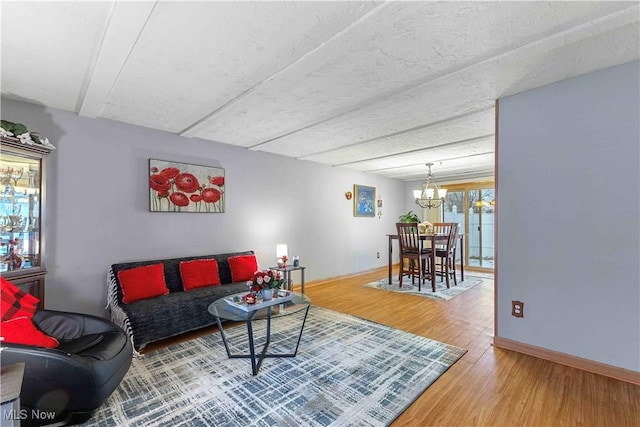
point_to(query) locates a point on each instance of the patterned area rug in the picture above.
(348, 372)
(441, 293)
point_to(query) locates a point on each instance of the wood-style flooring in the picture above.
(488, 386)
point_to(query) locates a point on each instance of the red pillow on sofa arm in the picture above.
(142, 282)
(21, 330)
(242, 267)
(15, 302)
(199, 273)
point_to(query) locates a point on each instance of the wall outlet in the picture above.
(517, 308)
(377, 254)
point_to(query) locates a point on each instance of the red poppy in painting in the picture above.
(217, 180)
(179, 199)
(210, 195)
(187, 182)
(170, 172)
(154, 169)
(159, 183)
(195, 198)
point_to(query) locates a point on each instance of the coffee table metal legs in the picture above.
(256, 360)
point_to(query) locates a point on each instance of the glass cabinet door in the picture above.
(20, 220)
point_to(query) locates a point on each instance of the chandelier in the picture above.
(431, 195)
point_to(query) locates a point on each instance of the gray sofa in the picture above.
(175, 313)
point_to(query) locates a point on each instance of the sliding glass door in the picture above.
(472, 206)
(454, 212)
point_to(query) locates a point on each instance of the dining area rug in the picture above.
(348, 372)
(441, 293)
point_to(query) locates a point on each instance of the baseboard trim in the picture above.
(344, 276)
(622, 374)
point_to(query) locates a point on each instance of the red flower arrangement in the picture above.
(250, 298)
(266, 279)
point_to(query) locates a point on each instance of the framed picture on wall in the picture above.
(183, 187)
(364, 200)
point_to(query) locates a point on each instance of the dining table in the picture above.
(432, 239)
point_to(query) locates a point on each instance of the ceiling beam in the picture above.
(402, 132)
(419, 150)
(586, 29)
(318, 49)
(125, 24)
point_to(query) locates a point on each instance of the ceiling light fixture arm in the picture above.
(431, 196)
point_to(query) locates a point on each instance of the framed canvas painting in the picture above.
(183, 187)
(364, 200)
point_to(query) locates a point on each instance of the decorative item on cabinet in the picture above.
(22, 195)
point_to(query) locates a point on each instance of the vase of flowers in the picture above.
(267, 294)
(265, 282)
(425, 227)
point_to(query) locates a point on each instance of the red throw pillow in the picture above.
(199, 273)
(242, 267)
(21, 330)
(142, 282)
(16, 302)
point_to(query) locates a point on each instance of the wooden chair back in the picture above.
(447, 251)
(443, 228)
(408, 237)
(453, 238)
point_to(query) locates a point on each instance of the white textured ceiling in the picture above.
(378, 87)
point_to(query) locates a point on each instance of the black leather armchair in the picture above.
(75, 378)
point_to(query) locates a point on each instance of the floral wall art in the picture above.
(182, 187)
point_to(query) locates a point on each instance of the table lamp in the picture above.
(281, 253)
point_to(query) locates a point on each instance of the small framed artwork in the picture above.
(183, 187)
(364, 200)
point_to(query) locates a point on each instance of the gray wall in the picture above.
(568, 216)
(97, 206)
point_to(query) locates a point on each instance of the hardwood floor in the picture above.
(488, 386)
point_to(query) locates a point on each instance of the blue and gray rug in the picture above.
(441, 293)
(348, 372)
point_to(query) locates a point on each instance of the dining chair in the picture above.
(411, 250)
(446, 253)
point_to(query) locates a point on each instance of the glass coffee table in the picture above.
(222, 309)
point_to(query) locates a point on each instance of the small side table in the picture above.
(287, 275)
(224, 311)
(11, 377)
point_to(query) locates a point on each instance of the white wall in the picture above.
(568, 185)
(98, 209)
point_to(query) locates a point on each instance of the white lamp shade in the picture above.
(430, 192)
(281, 250)
(417, 194)
(442, 193)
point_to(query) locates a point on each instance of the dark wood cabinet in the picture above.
(22, 201)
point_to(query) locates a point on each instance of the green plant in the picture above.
(19, 131)
(409, 217)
